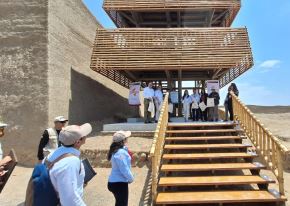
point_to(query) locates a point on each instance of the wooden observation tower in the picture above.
(172, 40)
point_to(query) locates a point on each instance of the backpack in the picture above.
(40, 191)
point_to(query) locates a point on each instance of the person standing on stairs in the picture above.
(214, 113)
(121, 174)
(50, 138)
(148, 95)
(226, 103)
(186, 101)
(233, 87)
(195, 102)
(158, 99)
(203, 111)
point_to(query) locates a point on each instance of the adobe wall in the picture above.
(23, 74)
(74, 89)
(45, 50)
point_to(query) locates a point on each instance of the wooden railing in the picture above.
(157, 145)
(267, 145)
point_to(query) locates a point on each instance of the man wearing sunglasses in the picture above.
(49, 141)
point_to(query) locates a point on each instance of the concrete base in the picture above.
(136, 127)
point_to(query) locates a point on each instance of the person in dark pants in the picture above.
(49, 141)
(203, 98)
(121, 174)
(214, 115)
(233, 87)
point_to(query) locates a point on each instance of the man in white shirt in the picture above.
(148, 95)
(158, 99)
(67, 175)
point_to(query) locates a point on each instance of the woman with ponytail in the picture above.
(121, 174)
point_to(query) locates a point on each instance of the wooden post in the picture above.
(179, 93)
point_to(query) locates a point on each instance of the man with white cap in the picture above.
(49, 141)
(121, 174)
(67, 174)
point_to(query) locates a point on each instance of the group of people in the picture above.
(67, 173)
(152, 98)
(197, 107)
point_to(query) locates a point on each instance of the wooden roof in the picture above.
(172, 13)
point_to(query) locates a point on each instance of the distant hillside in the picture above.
(269, 109)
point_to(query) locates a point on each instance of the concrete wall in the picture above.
(74, 89)
(23, 74)
(45, 50)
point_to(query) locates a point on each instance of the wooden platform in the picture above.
(213, 180)
(204, 146)
(211, 167)
(209, 155)
(217, 197)
(203, 131)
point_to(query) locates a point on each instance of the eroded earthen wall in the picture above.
(74, 89)
(23, 74)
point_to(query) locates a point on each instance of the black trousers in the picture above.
(230, 108)
(120, 191)
(195, 114)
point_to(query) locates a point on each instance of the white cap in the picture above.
(121, 135)
(72, 133)
(60, 119)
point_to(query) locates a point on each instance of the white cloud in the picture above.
(269, 64)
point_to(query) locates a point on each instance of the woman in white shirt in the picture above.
(158, 100)
(186, 101)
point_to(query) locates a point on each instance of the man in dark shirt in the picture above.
(49, 140)
(214, 113)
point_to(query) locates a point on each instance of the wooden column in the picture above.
(179, 93)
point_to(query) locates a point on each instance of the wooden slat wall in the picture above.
(116, 76)
(113, 7)
(142, 5)
(172, 49)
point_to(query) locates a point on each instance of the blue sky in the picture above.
(268, 82)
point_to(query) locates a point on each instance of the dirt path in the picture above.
(96, 193)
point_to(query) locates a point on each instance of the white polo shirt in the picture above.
(67, 176)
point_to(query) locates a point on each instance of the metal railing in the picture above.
(267, 145)
(157, 146)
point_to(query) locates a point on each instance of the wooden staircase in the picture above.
(208, 164)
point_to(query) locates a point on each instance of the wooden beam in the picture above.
(178, 19)
(124, 15)
(168, 19)
(136, 18)
(168, 77)
(131, 75)
(179, 93)
(210, 17)
(215, 74)
(219, 16)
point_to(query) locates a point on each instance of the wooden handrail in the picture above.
(267, 145)
(157, 145)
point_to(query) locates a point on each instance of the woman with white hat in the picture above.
(121, 174)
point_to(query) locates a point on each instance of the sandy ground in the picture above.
(136, 144)
(96, 193)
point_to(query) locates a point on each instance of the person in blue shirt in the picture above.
(121, 174)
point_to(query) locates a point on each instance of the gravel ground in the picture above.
(96, 193)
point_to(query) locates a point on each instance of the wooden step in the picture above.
(211, 166)
(203, 131)
(205, 146)
(202, 124)
(214, 180)
(210, 156)
(218, 197)
(203, 138)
